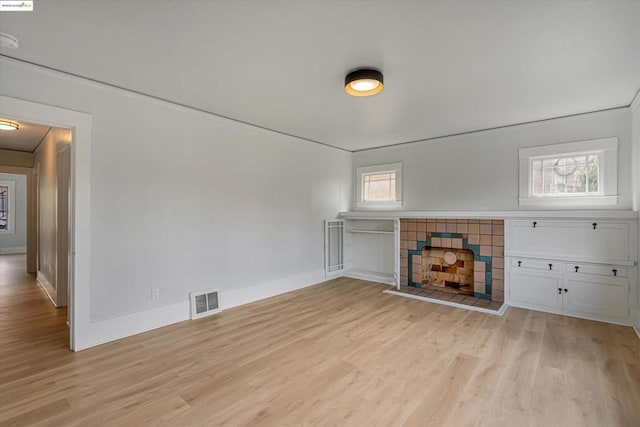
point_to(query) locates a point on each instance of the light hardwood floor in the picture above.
(340, 353)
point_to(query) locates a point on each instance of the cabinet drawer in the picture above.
(537, 264)
(595, 269)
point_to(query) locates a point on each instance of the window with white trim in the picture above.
(576, 174)
(379, 186)
(7, 207)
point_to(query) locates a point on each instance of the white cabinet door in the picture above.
(333, 247)
(597, 296)
(606, 242)
(536, 288)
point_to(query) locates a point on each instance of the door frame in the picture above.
(80, 125)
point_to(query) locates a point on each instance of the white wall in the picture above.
(479, 171)
(46, 164)
(182, 200)
(16, 242)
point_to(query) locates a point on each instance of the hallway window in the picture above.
(7, 206)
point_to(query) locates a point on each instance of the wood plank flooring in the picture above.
(340, 353)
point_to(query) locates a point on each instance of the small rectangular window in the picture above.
(580, 173)
(379, 186)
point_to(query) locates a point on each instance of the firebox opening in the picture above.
(448, 269)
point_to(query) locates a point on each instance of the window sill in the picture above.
(586, 201)
(379, 205)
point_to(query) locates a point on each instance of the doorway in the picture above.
(35, 165)
(81, 330)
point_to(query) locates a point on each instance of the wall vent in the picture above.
(204, 303)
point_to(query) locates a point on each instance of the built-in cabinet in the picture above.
(583, 268)
(363, 248)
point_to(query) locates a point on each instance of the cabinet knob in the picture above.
(615, 272)
(566, 290)
(534, 224)
(595, 224)
(519, 263)
(559, 291)
(576, 267)
(550, 266)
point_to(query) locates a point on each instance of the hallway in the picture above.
(41, 329)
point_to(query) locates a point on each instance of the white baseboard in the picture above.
(13, 250)
(499, 312)
(104, 331)
(623, 322)
(47, 286)
(234, 297)
(372, 277)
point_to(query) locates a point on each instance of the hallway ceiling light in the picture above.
(363, 82)
(8, 125)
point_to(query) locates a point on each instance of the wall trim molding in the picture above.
(47, 286)
(104, 331)
(13, 250)
(231, 298)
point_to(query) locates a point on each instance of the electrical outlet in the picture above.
(155, 293)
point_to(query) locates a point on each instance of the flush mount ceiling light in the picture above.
(363, 82)
(8, 125)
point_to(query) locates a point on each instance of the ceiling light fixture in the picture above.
(363, 82)
(8, 125)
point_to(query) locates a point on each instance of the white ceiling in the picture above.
(26, 138)
(449, 66)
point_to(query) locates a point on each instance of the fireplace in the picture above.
(478, 246)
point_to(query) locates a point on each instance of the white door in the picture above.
(597, 296)
(536, 288)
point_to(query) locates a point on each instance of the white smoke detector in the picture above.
(8, 41)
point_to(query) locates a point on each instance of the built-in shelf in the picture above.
(392, 214)
(369, 231)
